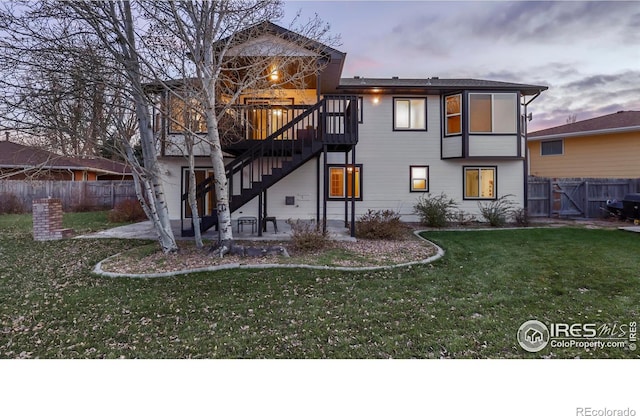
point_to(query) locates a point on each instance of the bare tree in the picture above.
(230, 50)
(113, 25)
(58, 85)
(233, 51)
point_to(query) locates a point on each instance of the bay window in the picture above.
(493, 113)
(453, 115)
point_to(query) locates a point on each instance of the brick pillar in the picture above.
(47, 220)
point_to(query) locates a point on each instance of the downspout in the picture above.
(525, 167)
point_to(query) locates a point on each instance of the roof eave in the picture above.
(585, 133)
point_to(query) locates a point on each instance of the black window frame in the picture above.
(426, 121)
(358, 166)
(411, 178)
(464, 183)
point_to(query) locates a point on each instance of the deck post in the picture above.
(318, 196)
(326, 189)
(353, 191)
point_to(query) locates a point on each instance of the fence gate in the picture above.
(572, 197)
(569, 198)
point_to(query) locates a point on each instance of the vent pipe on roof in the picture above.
(394, 77)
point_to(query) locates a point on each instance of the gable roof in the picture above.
(333, 58)
(619, 122)
(273, 29)
(434, 85)
(14, 155)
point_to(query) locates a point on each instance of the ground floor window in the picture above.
(206, 203)
(551, 147)
(341, 181)
(419, 178)
(480, 182)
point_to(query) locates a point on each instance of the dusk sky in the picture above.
(587, 53)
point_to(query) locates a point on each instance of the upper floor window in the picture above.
(410, 114)
(493, 113)
(186, 115)
(453, 115)
(551, 147)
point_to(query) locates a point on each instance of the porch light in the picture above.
(376, 100)
(275, 75)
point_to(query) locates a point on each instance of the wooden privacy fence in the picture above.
(74, 195)
(576, 197)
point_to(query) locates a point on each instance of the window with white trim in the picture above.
(552, 147)
(419, 178)
(480, 182)
(409, 114)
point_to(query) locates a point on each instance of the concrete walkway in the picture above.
(145, 231)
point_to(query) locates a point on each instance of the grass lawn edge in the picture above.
(97, 269)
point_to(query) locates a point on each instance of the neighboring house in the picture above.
(19, 162)
(601, 147)
(347, 145)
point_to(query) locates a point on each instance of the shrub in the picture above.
(464, 218)
(10, 204)
(435, 211)
(128, 210)
(84, 207)
(380, 225)
(307, 236)
(497, 211)
(521, 217)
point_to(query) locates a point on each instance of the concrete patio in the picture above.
(145, 231)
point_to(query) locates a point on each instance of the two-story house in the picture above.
(343, 146)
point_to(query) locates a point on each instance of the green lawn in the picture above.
(470, 304)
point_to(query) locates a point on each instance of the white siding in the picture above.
(174, 146)
(386, 156)
(452, 146)
(493, 146)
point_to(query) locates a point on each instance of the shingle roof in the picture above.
(620, 120)
(436, 84)
(14, 155)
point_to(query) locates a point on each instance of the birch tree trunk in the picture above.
(114, 20)
(193, 203)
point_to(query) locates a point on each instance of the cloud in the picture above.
(587, 96)
(554, 22)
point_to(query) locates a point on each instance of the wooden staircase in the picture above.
(331, 122)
